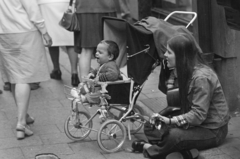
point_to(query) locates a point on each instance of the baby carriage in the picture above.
(140, 52)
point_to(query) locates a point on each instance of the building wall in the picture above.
(227, 55)
(140, 8)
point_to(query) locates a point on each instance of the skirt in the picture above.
(52, 14)
(23, 58)
(91, 30)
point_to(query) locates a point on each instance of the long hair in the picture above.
(187, 53)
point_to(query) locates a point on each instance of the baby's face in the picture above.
(102, 55)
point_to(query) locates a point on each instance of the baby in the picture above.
(107, 53)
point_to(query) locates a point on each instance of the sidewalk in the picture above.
(50, 108)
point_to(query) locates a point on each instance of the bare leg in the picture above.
(85, 61)
(54, 54)
(21, 93)
(73, 57)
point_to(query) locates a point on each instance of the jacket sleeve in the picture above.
(34, 14)
(200, 94)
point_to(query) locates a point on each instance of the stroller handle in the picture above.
(183, 12)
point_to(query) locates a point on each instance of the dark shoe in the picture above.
(35, 86)
(56, 74)
(75, 80)
(186, 154)
(137, 145)
(7, 86)
(29, 119)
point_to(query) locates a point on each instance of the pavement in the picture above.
(50, 107)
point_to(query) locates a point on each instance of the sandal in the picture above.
(23, 131)
(137, 146)
(185, 154)
(7, 86)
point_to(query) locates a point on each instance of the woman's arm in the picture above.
(200, 96)
(34, 14)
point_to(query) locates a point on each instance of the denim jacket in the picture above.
(206, 98)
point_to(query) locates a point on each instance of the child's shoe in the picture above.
(74, 92)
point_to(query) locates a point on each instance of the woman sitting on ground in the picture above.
(204, 118)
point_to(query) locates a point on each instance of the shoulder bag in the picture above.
(69, 20)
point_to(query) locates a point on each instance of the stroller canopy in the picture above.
(141, 44)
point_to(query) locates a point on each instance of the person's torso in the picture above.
(51, 1)
(95, 6)
(218, 112)
(14, 18)
(112, 75)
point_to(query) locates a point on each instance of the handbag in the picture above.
(156, 132)
(69, 20)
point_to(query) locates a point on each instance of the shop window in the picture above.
(167, 6)
(232, 12)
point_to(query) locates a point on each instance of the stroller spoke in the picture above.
(111, 136)
(76, 130)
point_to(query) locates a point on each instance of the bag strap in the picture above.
(70, 3)
(70, 6)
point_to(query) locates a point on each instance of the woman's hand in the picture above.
(90, 76)
(160, 117)
(47, 39)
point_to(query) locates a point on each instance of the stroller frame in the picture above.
(112, 130)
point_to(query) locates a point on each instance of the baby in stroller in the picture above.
(107, 53)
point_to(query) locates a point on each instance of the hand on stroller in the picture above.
(90, 76)
(158, 118)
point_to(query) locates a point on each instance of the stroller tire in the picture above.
(111, 136)
(75, 129)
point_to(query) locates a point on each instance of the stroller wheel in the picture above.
(75, 127)
(136, 123)
(111, 136)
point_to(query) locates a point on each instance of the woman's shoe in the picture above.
(35, 85)
(7, 86)
(23, 131)
(29, 119)
(75, 80)
(186, 154)
(137, 146)
(56, 74)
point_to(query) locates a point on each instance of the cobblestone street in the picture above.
(50, 108)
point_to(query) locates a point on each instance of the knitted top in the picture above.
(95, 6)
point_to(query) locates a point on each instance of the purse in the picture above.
(69, 20)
